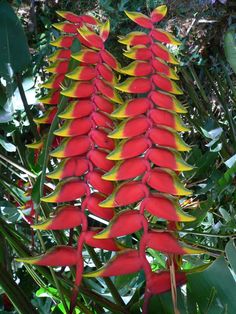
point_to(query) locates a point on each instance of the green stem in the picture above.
(15, 293)
(17, 166)
(108, 281)
(26, 106)
(50, 137)
(225, 109)
(67, 285)
(57, 284)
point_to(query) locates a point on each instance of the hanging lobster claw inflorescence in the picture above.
(106, 167)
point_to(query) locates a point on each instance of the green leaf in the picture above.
(14, 51)
(230, 47)
(214, 288)
(163, 302)
(9, 147)
(230, 251)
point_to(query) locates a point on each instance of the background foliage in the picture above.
(208, 67)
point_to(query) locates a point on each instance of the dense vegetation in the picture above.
(207, 72)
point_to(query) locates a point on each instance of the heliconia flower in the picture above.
(166, 101)
(125, 148)
(123, 223)
(65, 217)
(101, 139)
(110, 60)
(66, 27)
(132, 108)
(77, 109)
(105, 30)
(138, 52)
(102, 120)
(166, 84)
(131, 127)
(160, 282)
(115, 267)
(108, 91)
(98, 158)
(70, 167)
(74, 127)
(95, 179)
(105, 244)
(107, 166)
(167, 158)
(127, 169)
(161, 67)
(165, 180)
(63, 42)
(165, 136)
(57, 256)
(58, 67)
(139, 18)
(92, 204)
(158, 13)
(126, 194)
(81, 73)
(137, 68)
(163, 36)
(79, 90)
(66, 190)
(60, 54)
(73, 18)
(135, 38)
(54, 81)
(36, 145)
(166, 243)
(164, 206)
(86, 55)
(94, 40)
(167, 118)
(106, 72)
(73, 146)
(163, 53)
(52, 98)
(135, 85)
(103, 103)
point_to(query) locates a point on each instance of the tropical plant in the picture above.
(111, 154)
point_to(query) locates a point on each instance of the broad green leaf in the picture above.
(230, 47)
(14, 51)
(162, 303)
(230, 251)
(214, 288)
(9, 147)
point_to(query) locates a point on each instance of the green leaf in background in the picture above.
(14, 51)
(9, 147)
(230, 251)
(214, 289)
(230, 47)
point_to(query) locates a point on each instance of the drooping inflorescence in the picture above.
(125, 171)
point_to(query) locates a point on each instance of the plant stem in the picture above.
(26, 106)
(57, 284)
(48, 144)
(14, 292)
(17, 166)
(108, 281)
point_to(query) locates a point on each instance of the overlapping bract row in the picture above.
(83, 141)
(108, 168)
(58, 68)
